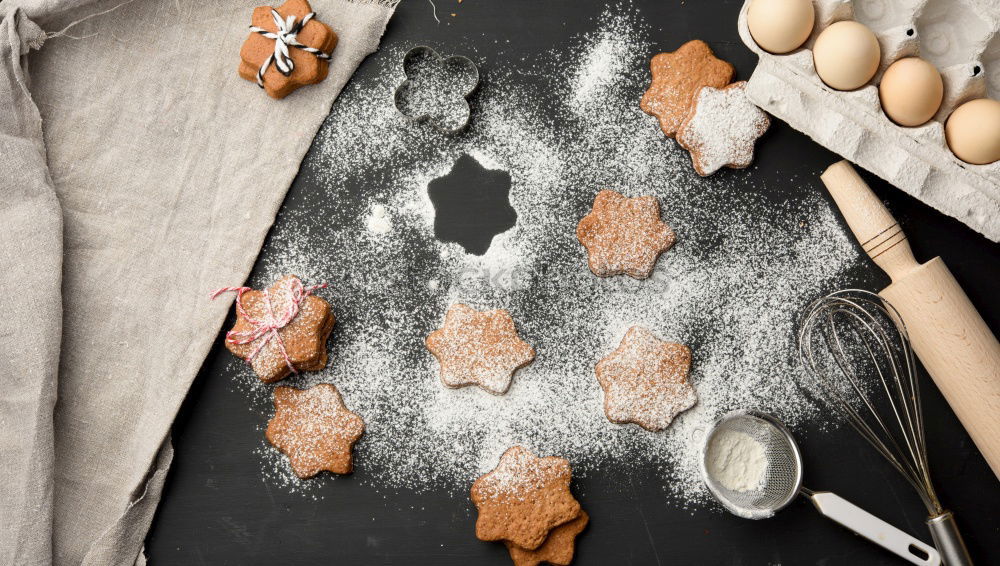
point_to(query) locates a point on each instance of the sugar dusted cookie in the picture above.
(287, 48)
(314, 429)
(722, 128)
(677, 76)
(624, 235)
(557, 549)
(479, 348)
(281, 330)
(524, 498)
(645, 380)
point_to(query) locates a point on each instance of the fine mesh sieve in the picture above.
(782, 481)
(782, 476)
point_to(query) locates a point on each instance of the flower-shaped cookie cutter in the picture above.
(436, 89)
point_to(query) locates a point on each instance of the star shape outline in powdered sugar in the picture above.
(624, 235)
(470, 191)
(314, 429)
(479, 348)
(523, 498)
(725, 142)
(645, 380)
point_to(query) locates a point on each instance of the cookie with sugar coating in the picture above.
(645, 380)
(558, 548)
(624, 235)
(677, 76)
(524, 498)
(300, 343)
(314, 429)
(722, 129)
(479, 348)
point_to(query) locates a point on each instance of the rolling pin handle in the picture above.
(953, 342)
(871, 222)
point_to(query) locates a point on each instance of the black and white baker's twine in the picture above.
(283, 38)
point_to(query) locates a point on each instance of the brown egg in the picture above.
(911, 91)
(780, 26)
(973, 131)
(846, 55)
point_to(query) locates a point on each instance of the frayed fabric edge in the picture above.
(390, 4)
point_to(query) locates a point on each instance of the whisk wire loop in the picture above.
(897, 396)
(855, 347)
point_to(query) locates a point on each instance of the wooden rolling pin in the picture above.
(946, 332)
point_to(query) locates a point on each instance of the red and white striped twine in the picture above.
(267, 329)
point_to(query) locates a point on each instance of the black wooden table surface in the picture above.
(217, 510)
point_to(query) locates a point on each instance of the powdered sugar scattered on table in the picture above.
(379, 221)
(565, 126)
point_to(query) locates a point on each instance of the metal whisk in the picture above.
(854, 345)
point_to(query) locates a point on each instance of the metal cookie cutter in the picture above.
(436, 89)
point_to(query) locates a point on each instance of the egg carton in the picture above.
(960, 37)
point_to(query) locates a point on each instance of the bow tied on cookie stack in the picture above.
(287, 48)
(281, 330)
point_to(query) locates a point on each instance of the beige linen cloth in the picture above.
(137, 173)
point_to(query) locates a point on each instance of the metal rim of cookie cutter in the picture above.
(462, 61)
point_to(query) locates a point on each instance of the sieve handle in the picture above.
(874, 529)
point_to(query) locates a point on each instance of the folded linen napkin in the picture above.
(139, 172)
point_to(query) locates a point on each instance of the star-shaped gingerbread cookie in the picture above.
(303, 57)
(624, 235)
(677, 77)
(722, 128)
(281, 329)
(479, 348)
(645, 380)
(556, 550)
(524, 498)
(314, 429)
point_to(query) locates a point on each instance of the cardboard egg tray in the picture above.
(960, 37)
